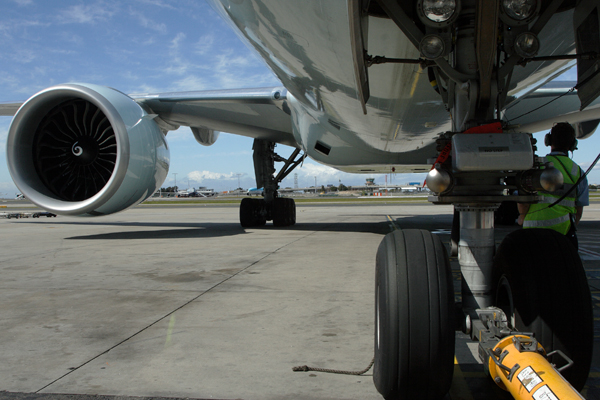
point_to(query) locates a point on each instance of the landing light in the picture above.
(432, 47)
(438, 12)
(527, 45)
(520, 10)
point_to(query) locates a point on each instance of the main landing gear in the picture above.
(282, 211)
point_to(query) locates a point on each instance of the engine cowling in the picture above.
(82, 149)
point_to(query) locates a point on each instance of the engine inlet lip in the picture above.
(20, 140)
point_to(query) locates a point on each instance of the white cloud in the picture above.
(320, 171)
(176, 42)
(22, 3)
(157, 3)
(143, 88)
(147, 22)
(23, 56)
(201, 176)
(15, 85)
(190, 82)
(183, 134)
(585, 165)
(205, 44)
(229, 60)
(85, 14)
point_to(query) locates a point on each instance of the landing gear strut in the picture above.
(282, 211)
(536, 282)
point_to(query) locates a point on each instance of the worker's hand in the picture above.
(521, 219)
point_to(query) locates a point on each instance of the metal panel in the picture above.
(586, 21)
(491, 152)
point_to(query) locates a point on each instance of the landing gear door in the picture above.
(586, 21)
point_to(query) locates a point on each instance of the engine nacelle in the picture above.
(80, 149)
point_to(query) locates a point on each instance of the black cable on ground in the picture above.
(306, 368)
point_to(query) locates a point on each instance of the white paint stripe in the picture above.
(589, 252)
(589, 255)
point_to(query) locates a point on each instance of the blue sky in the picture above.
(150, 46)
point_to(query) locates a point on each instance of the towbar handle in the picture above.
(564, 356)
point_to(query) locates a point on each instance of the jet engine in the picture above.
(81, 149)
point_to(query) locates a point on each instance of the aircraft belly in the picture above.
(336, 146)
(404, 114)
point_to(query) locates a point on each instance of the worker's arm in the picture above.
(523, 209)
(578, 214)
(582, 199)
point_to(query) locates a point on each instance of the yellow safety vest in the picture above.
(559, 216)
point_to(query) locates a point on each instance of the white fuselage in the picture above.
(307, 45)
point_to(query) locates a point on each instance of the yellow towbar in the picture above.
(519, 365)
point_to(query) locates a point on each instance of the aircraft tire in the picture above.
(414, 317)
(543, 289)
(506, 214)
(284, 212)
(250, 212)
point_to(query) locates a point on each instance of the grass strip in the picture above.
(297, 200)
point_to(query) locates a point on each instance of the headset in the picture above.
(548, 137)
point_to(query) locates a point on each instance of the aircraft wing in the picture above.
(554, 102)
(258, 113)
(9, 109)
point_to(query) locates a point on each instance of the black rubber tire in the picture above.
(506, 214)
(292, 206)
(250, 212)
(284, 212)
(543, 289)
(414, 317)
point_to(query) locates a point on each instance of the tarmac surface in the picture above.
(181, 302)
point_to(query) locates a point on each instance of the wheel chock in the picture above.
(519, 365)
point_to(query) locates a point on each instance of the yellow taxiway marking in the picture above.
(170, 330)
(392, 223)
(459, 389)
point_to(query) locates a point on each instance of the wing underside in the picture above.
(258, 113)
(555, 102)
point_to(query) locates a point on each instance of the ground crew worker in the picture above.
(564, 216)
